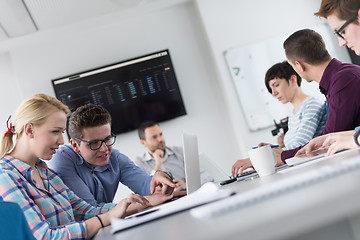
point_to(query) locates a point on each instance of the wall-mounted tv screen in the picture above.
(133, 91)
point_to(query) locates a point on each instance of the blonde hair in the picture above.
(34, 110)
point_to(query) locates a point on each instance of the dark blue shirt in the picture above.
(98, 185)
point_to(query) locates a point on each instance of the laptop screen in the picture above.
(192, 165)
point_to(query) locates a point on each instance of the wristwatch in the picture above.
(356, 135)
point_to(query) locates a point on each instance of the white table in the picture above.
(325, 209)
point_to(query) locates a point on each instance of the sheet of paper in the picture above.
(209, 192)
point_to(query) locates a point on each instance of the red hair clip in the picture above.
(10, 128)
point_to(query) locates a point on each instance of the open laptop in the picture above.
(191, 160)
(192, 170)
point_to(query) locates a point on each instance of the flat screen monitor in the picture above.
(133, 91)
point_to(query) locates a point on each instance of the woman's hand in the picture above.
(280, 140)
(239, 166)
(120, 210)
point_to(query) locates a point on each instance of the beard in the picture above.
(160, 146)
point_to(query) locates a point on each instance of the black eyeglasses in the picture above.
(96, 144)
(340, 33)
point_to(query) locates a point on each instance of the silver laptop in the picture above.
(191, 160)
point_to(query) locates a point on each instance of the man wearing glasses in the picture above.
(343, 17)
(92, 169)
(306, 52)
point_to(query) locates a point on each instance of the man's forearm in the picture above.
(158, 165)
(289, 153)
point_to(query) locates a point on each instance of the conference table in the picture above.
(319, 199)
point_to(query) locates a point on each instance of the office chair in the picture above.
(13, 225)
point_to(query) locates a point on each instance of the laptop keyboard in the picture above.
(247, 173)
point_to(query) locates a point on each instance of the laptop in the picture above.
(192, 170)
(191, 160)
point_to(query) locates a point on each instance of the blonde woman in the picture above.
(52, 210)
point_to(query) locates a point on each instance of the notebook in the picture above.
(191, 160)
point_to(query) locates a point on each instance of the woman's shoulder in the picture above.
(8, 163)
(311, 101)
(8, 172)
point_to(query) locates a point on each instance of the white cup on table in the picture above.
(263, 159)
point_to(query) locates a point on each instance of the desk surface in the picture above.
(282, 216)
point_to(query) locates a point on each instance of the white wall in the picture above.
(48, 55)
(10, 96)
(196, 32)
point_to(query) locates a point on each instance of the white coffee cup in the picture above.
(263, 159)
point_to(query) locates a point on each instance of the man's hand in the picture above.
(158, 156)
(239, 166)
(161, 179)
(280, 140)
(180, 184)
(178, 193)
(339, 141)
(158, 198)
(314, 144)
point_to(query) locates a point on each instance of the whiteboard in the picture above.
(248, 65)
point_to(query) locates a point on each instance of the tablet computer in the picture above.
(306, 157)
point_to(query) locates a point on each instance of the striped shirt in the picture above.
(52, 213)
(306, 123)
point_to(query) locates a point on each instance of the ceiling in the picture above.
(21, 17)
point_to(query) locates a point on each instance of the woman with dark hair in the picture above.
(308, 116)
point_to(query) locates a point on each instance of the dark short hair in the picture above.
(143, 126)
(343, 9)
(89, 115)
(306, 45)
(281, 70)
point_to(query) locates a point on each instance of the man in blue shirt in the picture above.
(92, 169)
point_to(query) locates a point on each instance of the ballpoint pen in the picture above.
(272, 146)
